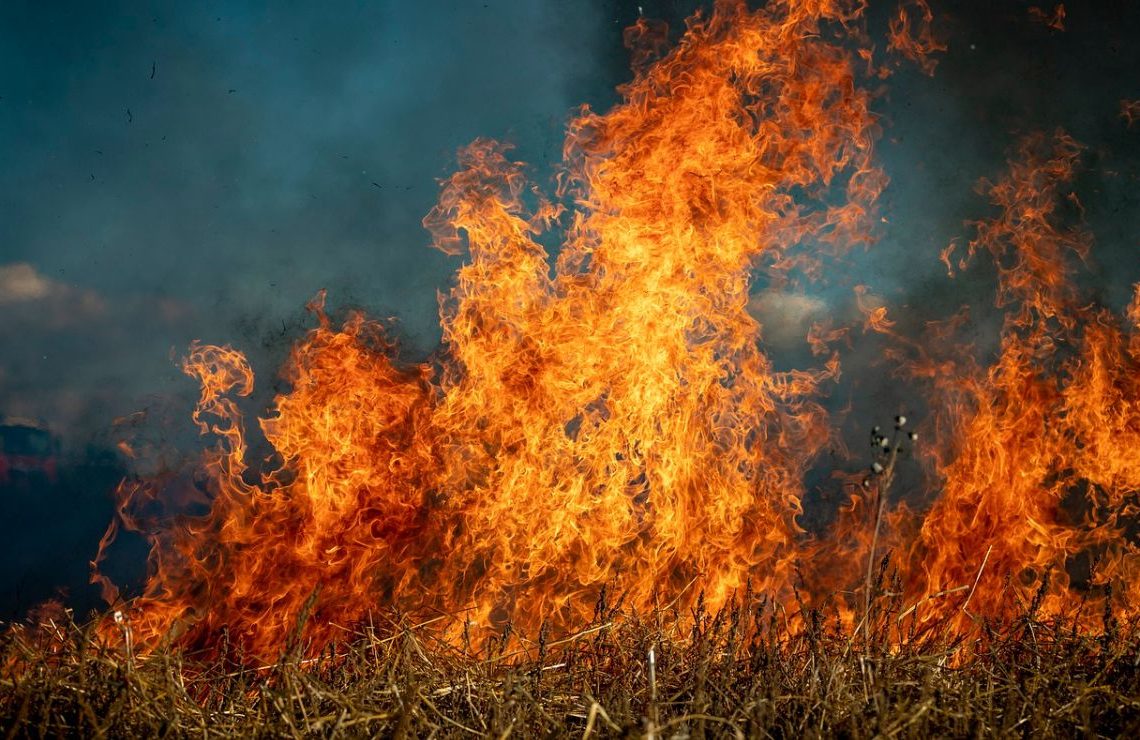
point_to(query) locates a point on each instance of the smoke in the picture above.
(179, 171)
(1005, 74)
(202, 170)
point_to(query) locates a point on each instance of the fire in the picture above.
(605, 416)
(1039, 473)
(912, 35)
(1130, 111)
(1054, 19)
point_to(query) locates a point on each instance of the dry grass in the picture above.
(741, 672)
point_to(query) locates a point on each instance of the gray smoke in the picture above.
(176, 171)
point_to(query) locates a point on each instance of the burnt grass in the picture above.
(750, 670)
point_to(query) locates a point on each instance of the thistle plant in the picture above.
(885, 457)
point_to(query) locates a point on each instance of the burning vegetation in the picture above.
(612, 420)
(602, 461)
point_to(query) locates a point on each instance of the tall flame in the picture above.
(605, 415)
(1039, 473)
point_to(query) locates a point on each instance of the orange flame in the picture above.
(614, 421)
(912, 34)
(1130, 111)
(1037, 464)
(1054, 19)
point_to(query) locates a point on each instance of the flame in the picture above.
(1038, 471)
(604, 415)
(912, 35)
(1130, 111)
(1054, 19)
(611, 421)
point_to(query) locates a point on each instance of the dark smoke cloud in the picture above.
(202, 169)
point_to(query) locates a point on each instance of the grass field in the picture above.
(743, 672)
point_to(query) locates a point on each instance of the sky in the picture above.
(179, 171)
